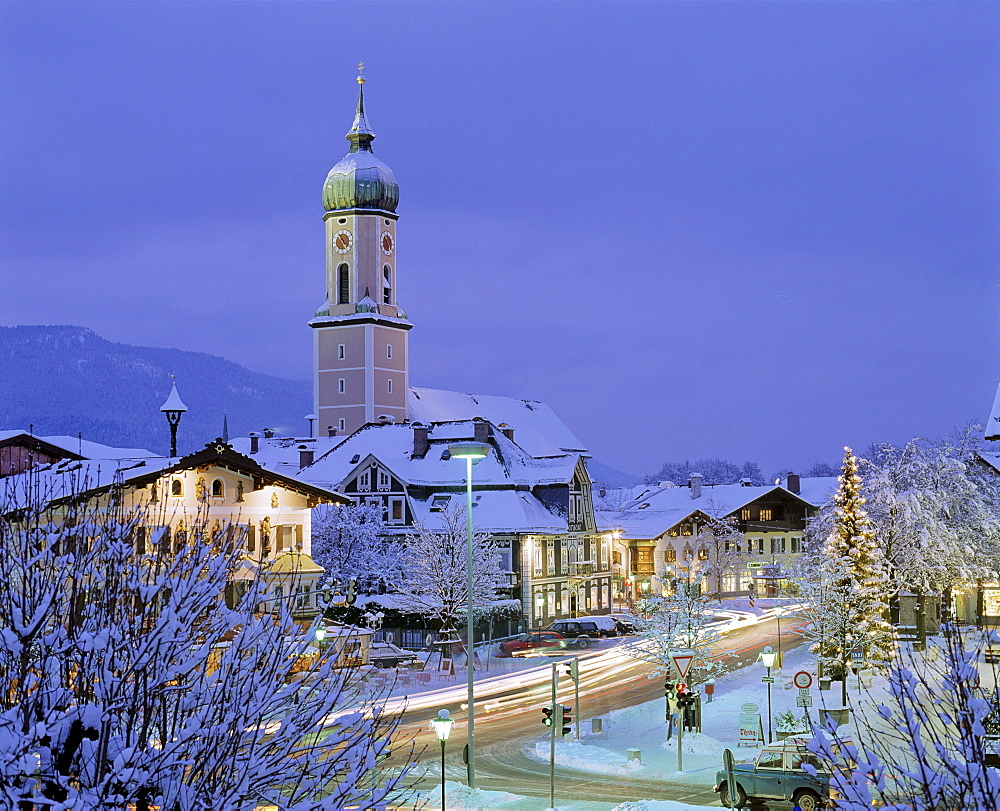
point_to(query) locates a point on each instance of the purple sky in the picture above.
(749, 230)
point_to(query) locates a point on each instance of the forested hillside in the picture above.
(63, 380)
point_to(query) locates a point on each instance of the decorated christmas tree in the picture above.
(854, 585)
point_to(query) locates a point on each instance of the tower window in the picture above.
(387, 285)
(343, 284)
(341, 351)
(389, 386)
(342, 424)
(342, 221)
(341, 386)
(388, 350)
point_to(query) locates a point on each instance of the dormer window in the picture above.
(440, 503)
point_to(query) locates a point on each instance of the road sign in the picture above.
(857, 656)
(803, 691)
(802, 680)
(751, 729)
(682, 661)
(767, 679)
(804, 701)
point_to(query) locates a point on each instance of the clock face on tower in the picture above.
(342, 241)
(386, 243)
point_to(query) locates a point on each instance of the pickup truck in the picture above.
(776, 774)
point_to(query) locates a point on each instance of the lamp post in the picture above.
(442, 728)
(779, 612)
(471, 452)
(768, 656)
(173, 409)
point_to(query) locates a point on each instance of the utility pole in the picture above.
(557, 722)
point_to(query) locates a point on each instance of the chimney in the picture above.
(386, 419)
(421, 441)
(331, 431)
(268, 433)
(696, 485)
(254, 442)
(481, 429)
(793, 484)
(306, 456)
(312, 419)
(507, 431)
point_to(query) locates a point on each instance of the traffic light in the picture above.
(668, 688)
(564, 719)
(573, 670)
(547, 719)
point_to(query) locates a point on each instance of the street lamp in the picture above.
(779, 612)
(442, 728)
(768, 656)
(470, 452)
(173, 409)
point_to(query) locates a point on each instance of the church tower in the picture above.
(360, 333)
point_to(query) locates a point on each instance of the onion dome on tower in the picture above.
(360, 180)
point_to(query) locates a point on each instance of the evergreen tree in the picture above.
(852, 595)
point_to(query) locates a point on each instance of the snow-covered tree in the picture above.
(435, 581)
(133, 677)
(924, 742)
(352, 542)
(724, 543)
(713, 471)
(935, 512)
(851, 588)
(681, 620)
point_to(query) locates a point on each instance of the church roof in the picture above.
(359, 179)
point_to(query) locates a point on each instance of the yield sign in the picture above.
(682, 661)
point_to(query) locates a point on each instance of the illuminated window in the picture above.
(343, 285)
(702, 554)
(765, 515)
(745, 514)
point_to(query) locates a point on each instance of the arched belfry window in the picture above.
(343, 284)
(387, 285)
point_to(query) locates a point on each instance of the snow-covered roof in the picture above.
(507, 463)
(993, 423)
(537, 429)
(657, 509)
(82, 447)
(498, 511)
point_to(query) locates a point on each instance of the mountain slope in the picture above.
(69, 379)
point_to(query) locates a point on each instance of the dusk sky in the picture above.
(748, 230)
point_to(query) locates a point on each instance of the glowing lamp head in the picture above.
(469, 450)
(767, 656)
(442, 725)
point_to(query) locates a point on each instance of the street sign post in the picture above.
(728, 763)
(802, 680)
(804, 701)
(682, 660)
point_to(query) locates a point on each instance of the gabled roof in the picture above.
(993, 423)
(71, 479)
(537, 429)
(70, 447)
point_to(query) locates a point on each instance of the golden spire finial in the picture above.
(361, 68)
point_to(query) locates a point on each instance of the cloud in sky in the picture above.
(747, 230)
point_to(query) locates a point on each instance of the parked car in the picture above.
(385, 654)
(626, 623)
(605, 623)
(580, 632)
(523, 644)
(777, 774)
